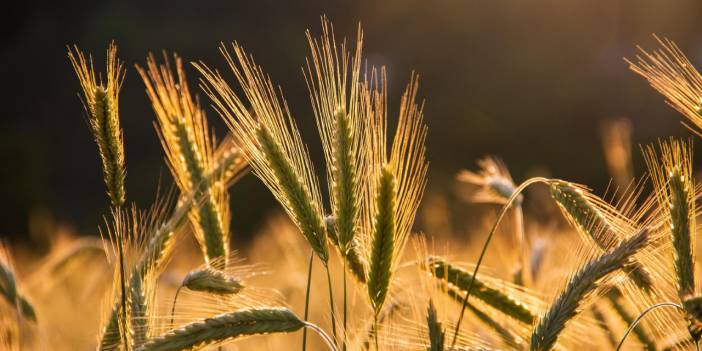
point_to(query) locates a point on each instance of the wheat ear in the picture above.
(672, 178)
(186, 139)
(490, 295)
(225, 327)
(335, 92)
(100, 100)
(380, 265)
(580, 286)
(212, 281)
(674, 76)
(581, 208)
(270, 141)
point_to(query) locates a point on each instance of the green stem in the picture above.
(345, 308)
(506, 207)
(331, 302)
(123, 286)
(644, 313)
(327, 340)
(307, 300)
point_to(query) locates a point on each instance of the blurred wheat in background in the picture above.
(342, 267)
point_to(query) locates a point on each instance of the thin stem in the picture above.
(644, 313)
(506, 207)
(307, 300)
(375, 331)
(175, 298)
(519, 224)
(327, 339)
(123, 286)
(331, 302)
(345, 308)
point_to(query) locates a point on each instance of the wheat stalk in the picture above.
(580, 286)
(185, 137)
(100, 100)
(225, 327)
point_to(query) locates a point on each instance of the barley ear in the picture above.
(100, 100)
(436, 331)
(354, 261)
(583, 210)
(580, 286)
(674, 76)
(225, 327)
(189, 147)
(383, 242)
(674, 186)
(490, 295)
(212, 281)
(297, 197)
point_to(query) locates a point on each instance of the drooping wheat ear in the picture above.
(397, 187)
(335, 92)
(383, 247)
(189, 146)
(212, 281)
(270, 141)
(580, 286)
(590, 214)
(354, 260)
(436, 331)
(495, 182)
(507, 337)
(9, 289)
(490, 295)
(672, 178)
(225, 327)
(673, 75)
(100, 100)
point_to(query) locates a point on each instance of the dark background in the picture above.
(528, 80)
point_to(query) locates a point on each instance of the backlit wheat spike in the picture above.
(186, 138)
(490, 295)
(580, 286)
(397, 186)
(212, 281)
(271, 142)
(673, 75)
(225, 327)
(100, 100)
(436, 332)
(495, 182)
(587, 213)
(335, 91)
(9, 289)
(383, 244)
(672, 178)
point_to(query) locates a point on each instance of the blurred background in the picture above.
(530, 81)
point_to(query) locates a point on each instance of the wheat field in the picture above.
(341, 266)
